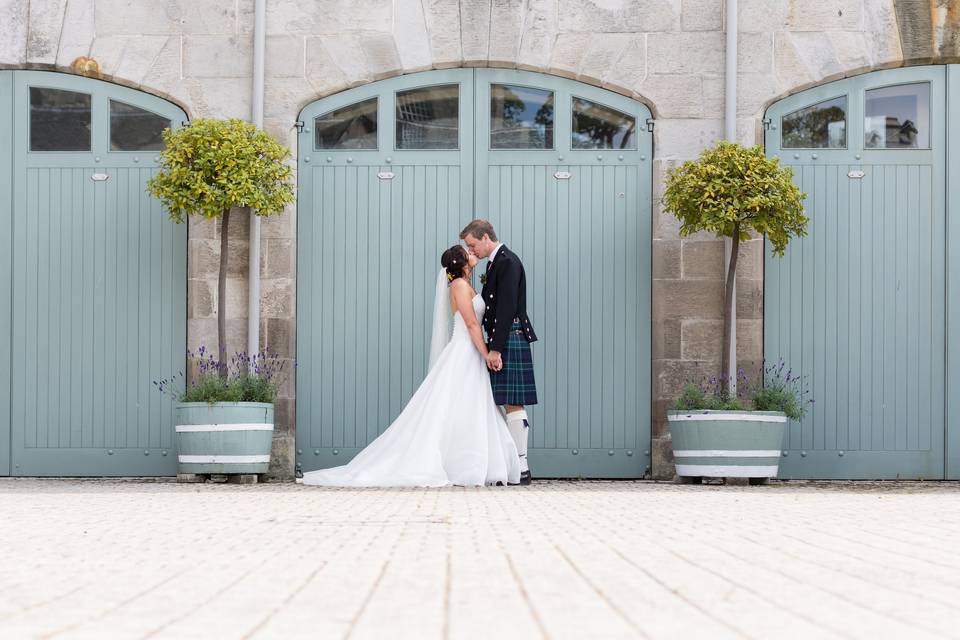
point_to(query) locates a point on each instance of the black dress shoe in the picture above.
(525, 478)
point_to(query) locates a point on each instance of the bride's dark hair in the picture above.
(454, 260)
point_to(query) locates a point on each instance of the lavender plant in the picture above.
(244, 378)
(776, 390)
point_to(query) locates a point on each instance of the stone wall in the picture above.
(667, 53)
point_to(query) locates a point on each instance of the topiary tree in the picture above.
(730, 191)
(212, 165)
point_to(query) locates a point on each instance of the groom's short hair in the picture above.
(479, 228)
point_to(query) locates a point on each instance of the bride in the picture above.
(451, 432)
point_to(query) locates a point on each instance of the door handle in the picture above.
(100, 177)
(385, 175)
(562, 175)
(856, 174)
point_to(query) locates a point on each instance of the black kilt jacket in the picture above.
(505, 296)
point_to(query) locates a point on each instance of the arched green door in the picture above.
(388, 175)
(858, 306)
(97, 306)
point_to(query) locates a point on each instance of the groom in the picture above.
(509, 333)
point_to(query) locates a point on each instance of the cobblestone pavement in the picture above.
(140, 559)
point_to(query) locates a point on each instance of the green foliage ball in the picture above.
(735, 188)
(212, 165)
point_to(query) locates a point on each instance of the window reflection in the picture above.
(897, 117)
(59, 120)
(428, 118)
(520, 117)
(821, 126)
(135, 129)
(598, 127)
(352, 127)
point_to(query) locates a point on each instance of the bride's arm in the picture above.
(463, 302)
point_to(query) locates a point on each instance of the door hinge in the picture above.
(650, 123)
(184, 123)
(299, 124)
(766, 124)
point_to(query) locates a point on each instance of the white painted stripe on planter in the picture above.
(738, 417)
(728, 471)
(233, 426)
(726, 453)
(223, 459)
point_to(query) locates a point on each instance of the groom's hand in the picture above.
(494, 361)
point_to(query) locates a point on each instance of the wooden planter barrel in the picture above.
(727, 444)
(224, 437)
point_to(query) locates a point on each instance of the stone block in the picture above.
(749, 341)
(674, 95)
(323, 74)
(107, 51)
(666, 339)
(837, 15)
(659, 425)
(383, 59)
(202, 332)
(604, 50)
(13, 43)
(76, 33)
(218, 56)
(851, 49)
(218, 97)
(790, 70)
(674, 374)
(540, 32)
(135, 17)
(568, 53)
(285, 56)
(236, 298)
(192, 478)
(685, 138)
(201, 227)
(346, 52)
(279, 226)
(688, 299)
(702, 340)
(685, 53)
(629, 70)
(506, 21)
(328, 16)
(138, 58)
(701, 15)
(817, 53)
(755, 53)
(43, 35)
(749, 299)
(757, 91)
(164, 75)
(661, 458)
(237, 334)
(475, 30)
(283, 457)
(667, 259)
(278, 258)
(278, 336)
(618, 16)
(714, 97)
(277, 297)
(283, 99)
(208, 17)
(704, 259)
(762, 15)
(201, 299)
(443, 29)
(283, 415)
(882, 32)
(410, 34)
(750, 260)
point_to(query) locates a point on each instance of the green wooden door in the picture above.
(386, 181)
(6, 252)
(858, 306)
(99, 281)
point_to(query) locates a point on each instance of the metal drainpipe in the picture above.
(730, 133)
(253, 301)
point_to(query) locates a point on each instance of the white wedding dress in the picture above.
(450, 433)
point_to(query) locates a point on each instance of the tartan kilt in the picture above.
(514, 383)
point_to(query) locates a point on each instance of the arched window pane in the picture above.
(352, 127)
(520, 117)
(598, 127)
(59, 120)
(897, 117)
(135, 129)
(429, 118)
(821, 126)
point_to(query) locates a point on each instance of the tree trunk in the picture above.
(222, 295)
(729, 301)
